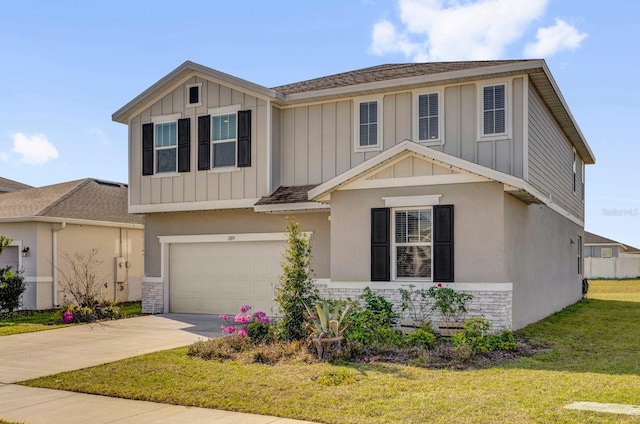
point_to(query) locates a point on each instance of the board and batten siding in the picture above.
(551, 159)
(316, 141)
(198, 186)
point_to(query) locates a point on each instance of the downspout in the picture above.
(54, 257)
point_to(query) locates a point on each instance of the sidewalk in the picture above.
(46, 406)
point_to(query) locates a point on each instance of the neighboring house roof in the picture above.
(8, 186)
(81, 200)
(378, 79)
(596, 240)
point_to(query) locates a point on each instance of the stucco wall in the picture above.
(234, 222)
(38, 265)
(541, 261)
(477, 230)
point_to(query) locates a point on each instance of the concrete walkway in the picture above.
(32, 355)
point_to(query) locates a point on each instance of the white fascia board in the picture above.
(285, 207)
(72, 221)
(194, 206)
(420, 79)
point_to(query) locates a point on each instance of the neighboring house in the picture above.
(606, 258)
(9, 186)
(49, 222)
(465, 173)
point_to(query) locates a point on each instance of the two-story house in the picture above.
(469, 174)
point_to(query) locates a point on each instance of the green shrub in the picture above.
(82, 313)
(261, 332)
(476, 335)
(381, 310)
(422, 338)
(12, 286)
(372, 322)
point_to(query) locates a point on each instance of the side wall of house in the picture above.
(317, 140)
(541, 257)
(110, 243)
(26, 235)
(200, 186)
(551, 159)
(232, 223)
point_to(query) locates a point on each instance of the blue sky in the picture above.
(66, 66)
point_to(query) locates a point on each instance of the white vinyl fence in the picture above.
(621, 267)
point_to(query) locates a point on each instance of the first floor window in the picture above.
(223, 138)
(579, 254)
(166, 146)
(494, 109)
(413, 243)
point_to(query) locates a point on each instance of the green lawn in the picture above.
(594, 356)
(29, 321)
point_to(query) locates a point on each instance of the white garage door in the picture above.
(219, 277)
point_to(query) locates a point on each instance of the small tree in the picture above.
(81, 279)
(12, 286)
(296, 288)
(4, 242)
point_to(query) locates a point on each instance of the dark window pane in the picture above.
(224, 154)
(166, 160)
(413, 261)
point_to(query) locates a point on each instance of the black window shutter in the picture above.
(204, 142)
(380, 244)
(147, 149)
(184, 145)
(244, 138)
(443, 243)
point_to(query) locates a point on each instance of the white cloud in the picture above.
(35, 149)
(436, 30)
(553, 39)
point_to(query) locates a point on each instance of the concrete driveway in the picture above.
(31, 355)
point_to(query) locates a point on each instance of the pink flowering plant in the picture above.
(67, 316)
(245, 320)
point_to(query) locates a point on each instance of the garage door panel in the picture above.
(222, 277)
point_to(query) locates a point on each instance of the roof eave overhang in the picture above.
(177, 76)
(73, 221)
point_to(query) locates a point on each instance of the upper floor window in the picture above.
(368, 125)
(427, 126)
(575, 171)
(223, 139)
(494, 108)
(166, 146)
(194, 95)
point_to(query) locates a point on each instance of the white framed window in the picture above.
(606, 252)
(580, 255)
(430, 116)
(166, 146)
(194, 94)
(368, 128)
(412, 252)
(224, 137)
(575, 172)
(494, 117)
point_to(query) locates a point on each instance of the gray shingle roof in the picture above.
(87, 199)
(384, 73)
(291, 194)
(8, 186)
(590, 238)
